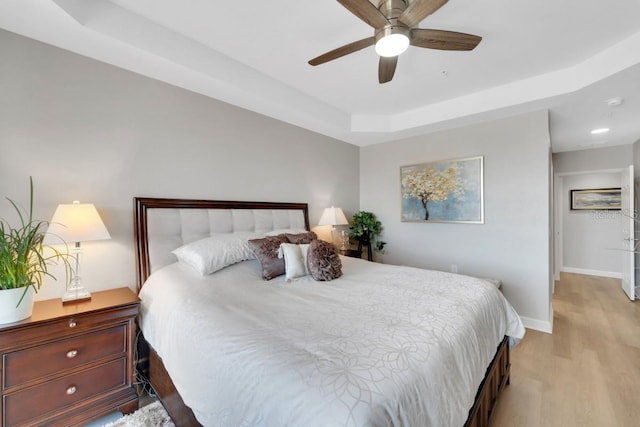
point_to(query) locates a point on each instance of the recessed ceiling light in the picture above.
(599, 131)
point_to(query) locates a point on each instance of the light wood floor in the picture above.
(587, 373)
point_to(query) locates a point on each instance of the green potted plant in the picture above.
(24, 261)
(365, 229)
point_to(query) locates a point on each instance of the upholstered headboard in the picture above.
(162, 225)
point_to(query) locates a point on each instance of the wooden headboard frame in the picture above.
(143, 204)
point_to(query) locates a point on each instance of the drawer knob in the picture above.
(71, 390)
(72, 353)
(72, 323)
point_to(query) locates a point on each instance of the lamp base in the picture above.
(76, 295)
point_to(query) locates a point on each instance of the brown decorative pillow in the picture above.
(301, 238)
(323, 261)
(266, 250)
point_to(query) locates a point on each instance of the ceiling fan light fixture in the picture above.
(395, 26)
(392, 41)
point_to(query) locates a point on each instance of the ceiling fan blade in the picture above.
(443, 40)
(418, 10)
(366, 11)
(386, 68)
(343, 50)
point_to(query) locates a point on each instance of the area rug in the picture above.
(151, 415)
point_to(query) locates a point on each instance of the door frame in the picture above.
(558, 209)
(630, 235)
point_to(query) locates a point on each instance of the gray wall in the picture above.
(512, 245)
(593, 159)
(591, 237)
(89, 131)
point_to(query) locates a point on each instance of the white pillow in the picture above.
(285, 230)
(295, 260)
(213, 253)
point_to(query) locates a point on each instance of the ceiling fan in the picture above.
(394, 22)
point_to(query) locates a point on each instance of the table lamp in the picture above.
(333, 216)
(77, 222)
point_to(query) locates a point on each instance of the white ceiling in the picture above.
(569, 56)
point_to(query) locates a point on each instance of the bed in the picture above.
(379, 346)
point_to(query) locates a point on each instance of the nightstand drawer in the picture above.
(65, 326)
(69, 364)
(33, 402)
(52, 358)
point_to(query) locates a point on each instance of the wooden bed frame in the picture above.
(150, 363)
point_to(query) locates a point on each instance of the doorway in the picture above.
(587, 242)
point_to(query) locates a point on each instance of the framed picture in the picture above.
(443, 191)
(596, 199)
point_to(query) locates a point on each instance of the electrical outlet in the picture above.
(454, 268)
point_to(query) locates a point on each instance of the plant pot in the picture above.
(9, 313)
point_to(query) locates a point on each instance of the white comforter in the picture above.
(381, 346)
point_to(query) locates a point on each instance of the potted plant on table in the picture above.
(24, 261)
(365, 229)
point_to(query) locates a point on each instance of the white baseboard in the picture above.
(538, 325)
(612, 274)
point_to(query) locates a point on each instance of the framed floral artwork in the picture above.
(443, 191)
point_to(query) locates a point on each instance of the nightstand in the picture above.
(353, 253)
(69, 364)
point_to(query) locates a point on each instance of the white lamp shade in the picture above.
(77, 222)
(333, 216)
